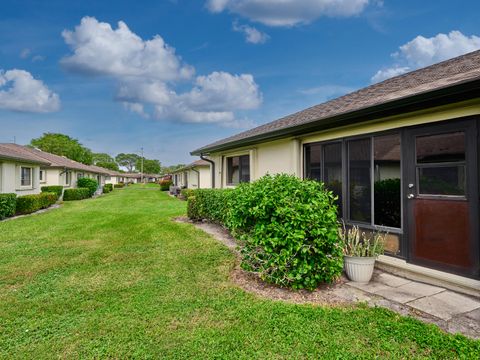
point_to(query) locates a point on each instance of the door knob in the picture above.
(410, 196)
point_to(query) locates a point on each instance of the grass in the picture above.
(114, 277)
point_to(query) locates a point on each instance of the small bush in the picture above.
(58, 190)
(209, 204)
(47, 199)
(107, 188)
(165, 184)
(90, 184)
(119, 186)
(8, 204)
(186, 193)
(76, 194)
(290, 231)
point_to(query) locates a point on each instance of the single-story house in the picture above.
(196, 175)
(19, 170)
(59, 170)
(115, 177)
(402, 156)
(133, 177)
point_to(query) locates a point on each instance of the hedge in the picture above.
(8, 204)
(28, 204)
(165, 184)
(209, 204)
(76, 194)
(87, 183)
(287, 227)
(107, 188)
(119, 186)
(57, 189)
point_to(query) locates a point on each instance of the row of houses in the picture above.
(401, 155)
(24, 170)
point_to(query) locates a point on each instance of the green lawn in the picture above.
(115, 277)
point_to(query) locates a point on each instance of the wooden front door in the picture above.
(441, 196)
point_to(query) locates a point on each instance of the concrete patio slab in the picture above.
(371, 287)
(445, 305)
(408, 292)
(390, 280)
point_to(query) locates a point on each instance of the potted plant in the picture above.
(360, 252)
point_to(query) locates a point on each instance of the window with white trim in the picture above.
(68, 176)
(238, 169)
(41, 176)
(25, 176)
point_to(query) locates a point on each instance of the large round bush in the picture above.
(290, 230)
(90, 184)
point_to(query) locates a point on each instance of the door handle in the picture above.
(410, 196)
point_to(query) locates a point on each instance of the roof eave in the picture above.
(458, 92)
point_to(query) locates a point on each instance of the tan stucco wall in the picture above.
(10, 178)
(285, 156)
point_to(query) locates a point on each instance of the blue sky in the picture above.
(176, 75)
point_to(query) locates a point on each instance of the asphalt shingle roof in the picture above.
(20, 153)
(448, 73)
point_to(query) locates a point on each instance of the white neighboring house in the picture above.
(59, 170)
(19, 170)
(114, 177)
(196, 175)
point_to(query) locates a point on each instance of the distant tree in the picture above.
(150, 166)
(63, 145)
(127, 160)
(102, 157)
(108, 165)
(171, 168)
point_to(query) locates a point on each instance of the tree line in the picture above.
(71, 148)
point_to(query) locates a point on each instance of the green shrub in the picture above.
(186, 193)
(120, 185)
(165, 184)
(28, 204)
(76, 194)
(47, 199)
(90, 184)
(107, 188)
(53, 189)
(289, 230)
(209, 204)
(8, 204)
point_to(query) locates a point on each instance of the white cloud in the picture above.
(100, 50)
(148, 72)
(422, 51)
(19, 91)
(327, 92)
(252, 35)
(389, 73)
(25, 53)
(288, 12)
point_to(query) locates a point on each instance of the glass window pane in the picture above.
(313, 162)
(359, 155)
(332, 157)
(245, 168)
(439, 148)
(26, 176)
(233, 170)
(387, 184)
(445, 180)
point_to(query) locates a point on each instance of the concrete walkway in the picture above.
(451, 311)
